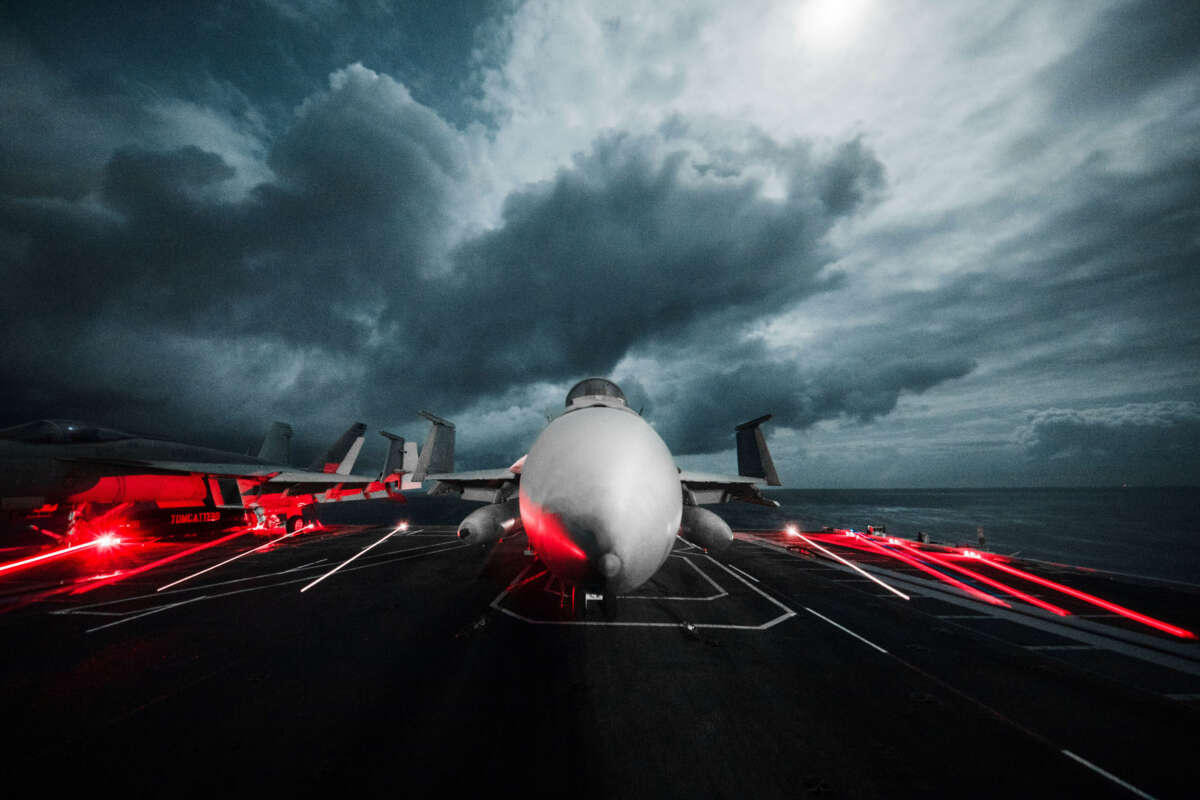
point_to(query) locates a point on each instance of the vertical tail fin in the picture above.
(341, 457)
(395, 455)
(438, 453)
(276, 446)
(754, 459)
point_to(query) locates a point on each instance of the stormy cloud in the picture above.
(304, 214)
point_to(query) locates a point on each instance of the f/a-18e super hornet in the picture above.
(598, 493)
(88, 473)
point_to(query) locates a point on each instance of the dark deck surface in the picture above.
(415, 671)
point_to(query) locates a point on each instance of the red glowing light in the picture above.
(1096, 601)
(167, 560)
(530, 579)
(912, 562)
(58, 553)
(134, 488)
(1062, 612)
(551, 539)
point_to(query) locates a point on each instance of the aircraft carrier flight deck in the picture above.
(360, 660)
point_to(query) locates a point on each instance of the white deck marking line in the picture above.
(854, 567)
(144, 614)
(402, 556)
(226, 561)
(399, 557)
(686, 542)
(847, 630)
(1059, 647)
(1108, 775)
(720, 589)
(788, 613)
(742, 572)
(81, 609)
(387, 536)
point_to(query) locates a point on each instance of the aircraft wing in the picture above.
(275, 475)
(260, 471)
(755, 469)
(488, 485)
(704, 488)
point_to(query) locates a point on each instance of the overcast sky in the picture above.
(946, 244)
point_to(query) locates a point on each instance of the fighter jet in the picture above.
(598, 493)
(49, 467)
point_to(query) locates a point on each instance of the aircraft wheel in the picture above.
(292, 524)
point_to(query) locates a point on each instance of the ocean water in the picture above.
(1153, 532)
(1138, 531)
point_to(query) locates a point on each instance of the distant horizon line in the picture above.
(773, 489)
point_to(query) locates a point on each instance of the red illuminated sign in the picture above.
(193, 518)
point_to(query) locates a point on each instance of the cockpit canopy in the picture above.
(61, 431)
(595, 391)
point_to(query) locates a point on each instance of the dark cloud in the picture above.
(633, 244)
(212, 233)
(341, 265)
(276, 53)
(698, 413)
(1108, 444)
(1098, 291)
(1133, 48)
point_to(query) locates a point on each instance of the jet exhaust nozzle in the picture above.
(491, 523)
(705, 529)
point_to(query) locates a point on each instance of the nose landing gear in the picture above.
(609, 605)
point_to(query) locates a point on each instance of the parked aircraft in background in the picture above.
(93, 475)
(598, 493)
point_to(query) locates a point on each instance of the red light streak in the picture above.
(1017, 593)
(62, 551)
(530, 579)
(548, 533)
(146, 567)
(793, 532)
(229, 560)
(987, 598)
(1096, 601)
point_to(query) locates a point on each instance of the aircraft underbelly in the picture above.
(600, 498)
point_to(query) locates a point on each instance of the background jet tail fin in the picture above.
(754, 459)
(438, 453)
(276, 445)
(341, 457)
(394, 462)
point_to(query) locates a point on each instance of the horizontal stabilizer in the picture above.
(754, 459)
(276, 445)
